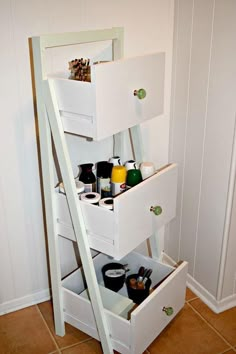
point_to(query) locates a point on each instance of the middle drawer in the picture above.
(118, 232)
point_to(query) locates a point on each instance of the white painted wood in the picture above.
(135, 217)
(131, 223)
(47, 103)
(170, 293)
(110, 94)
(219, 137)
(76, 214)
(23, 255)
(129, 336)
(112, 301)
(179, 107)
(195, 133)
(115, 85)
(48, 178)
(203, 113)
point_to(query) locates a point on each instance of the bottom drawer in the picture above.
(136, 331)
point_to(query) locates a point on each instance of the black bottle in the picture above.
(104, 178)
(87, 177)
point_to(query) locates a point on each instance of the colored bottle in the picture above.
(118, 179)
(104, 169)
(88, 178)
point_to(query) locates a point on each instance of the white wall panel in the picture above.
(196, 116)
(178, 126)
(204, 100)
(221, 111)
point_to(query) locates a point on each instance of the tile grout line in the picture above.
(78, 343)
(226, 351)
(214, 329)
(48, 329)
(193, 298)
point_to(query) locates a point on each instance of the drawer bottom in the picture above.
(131, 331)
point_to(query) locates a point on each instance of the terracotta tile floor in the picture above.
(195, 330)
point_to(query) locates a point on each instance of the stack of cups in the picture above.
(147, 169)
(133, 174)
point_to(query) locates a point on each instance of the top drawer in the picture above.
(108, 105)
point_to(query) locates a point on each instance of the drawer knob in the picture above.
(168, 310)
(141, 93)
(157, 210)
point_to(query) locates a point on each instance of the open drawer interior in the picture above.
(118, 232)
(125, 319)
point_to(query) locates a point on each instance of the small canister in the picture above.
(79, 187)
(106, 203)
(147, 169)
(118, 180)
(104, 169)
(115, 160)
(130, 165)
(90, 197)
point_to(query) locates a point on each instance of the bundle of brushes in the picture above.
(80, 69)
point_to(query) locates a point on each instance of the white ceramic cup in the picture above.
(115, 160)
(131, 165)
(147, 169)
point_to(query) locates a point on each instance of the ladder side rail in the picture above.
(48, 192)
(76, 214)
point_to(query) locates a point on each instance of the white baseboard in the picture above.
(208, 299)
(20, 303)
(202, 293)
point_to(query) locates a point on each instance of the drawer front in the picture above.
(135, 220)
(107, 105)
(118, 232)
(171, 293)
(128, 335)
(115, 85)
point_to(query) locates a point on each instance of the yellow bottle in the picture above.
(118, 179)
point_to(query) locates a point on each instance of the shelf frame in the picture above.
(51, 131)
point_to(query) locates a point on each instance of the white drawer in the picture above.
(128, 335)
(107, 105)
(118, 232)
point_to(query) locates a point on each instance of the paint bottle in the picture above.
(104, 169)
(88, 178)
(118, 180)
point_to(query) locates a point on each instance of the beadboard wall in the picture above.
(148, 28)
(203, 144)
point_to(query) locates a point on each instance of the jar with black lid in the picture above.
(88, 177)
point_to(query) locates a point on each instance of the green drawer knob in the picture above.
(141, 93)
(157, 210)
(168, 310)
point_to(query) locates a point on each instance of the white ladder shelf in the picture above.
(51, 132)
(50, 123)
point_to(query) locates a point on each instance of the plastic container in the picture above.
(137, 294)
(118, 180)
(113, 276)
(87, 177)
(104, 169)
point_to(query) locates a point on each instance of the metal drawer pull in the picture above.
(141, 93)
(168, 310)
(157, 210)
